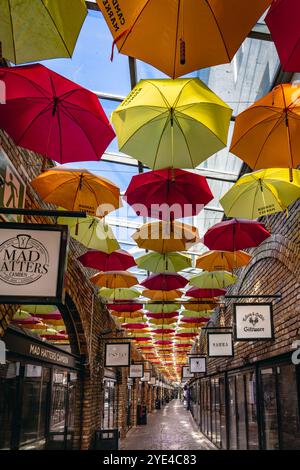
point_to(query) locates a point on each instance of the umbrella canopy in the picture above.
(32, 323)
(134, 326)
(120, 315)
(162, 308)
(122, 307)
(42, 309)
(33, 31)
(162, 321)
(91, 232)
(204, 293)
(162, 263)
(78, 190)
(21, 315)
(267, 135)
(166, 237)
(199, 307)
(52, 115)
(166, 281)
(54, 318)
(178, 37)
(236, 234)
(136, 320)
(213, 280)
(222, 260)
(262, 193)
(119, 260)
(193, 314)
(158, 331)
(282, 21)
(183, 119)
(195, 320)
(168, 194)
(158, 316)
(120, 293)
(162, 295)
(114, 279)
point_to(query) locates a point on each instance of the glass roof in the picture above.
(247, 78)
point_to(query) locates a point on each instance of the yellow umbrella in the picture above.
(166, 237)
(31, 31)
(262, 193)
(222, 260)
(91, 232)
(167, 262)
(180, 36)
(78, 190)
(114, 279)
(199, 307)
(213, 280)
(123, 315)
(162, 321)
(162, 295)
(183, 119)
(119, 293)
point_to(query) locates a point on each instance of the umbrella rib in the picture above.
(139, 128)
(12, 30)
(220, 31)
(45, 110)
(277, 124)
(159, 91)
(176, 38)
(133, 24)
(203, 125)
(160, 139)
(55, 27)
(185, 139)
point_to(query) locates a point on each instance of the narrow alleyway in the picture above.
(171, 428)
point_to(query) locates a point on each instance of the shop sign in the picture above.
(12, 188)
(253, 322)
(117, 354)
(220, 345)
(197, 364)
(136, 371)
(32, 263)
(2, 352)
(147, 377)
(152, 381)
(186, 373)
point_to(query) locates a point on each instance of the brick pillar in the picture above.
(134, 401)
(122, 391)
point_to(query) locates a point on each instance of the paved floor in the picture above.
(171, 428)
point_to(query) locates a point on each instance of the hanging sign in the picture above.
(12, 188)
(197, 364)
(117, 354)
(152, 381)
(32, 263)
(136, 371)
(253, 322)
(220, 345)
(186, 372)
(147, 376)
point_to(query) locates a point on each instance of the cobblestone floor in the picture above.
(171, 428)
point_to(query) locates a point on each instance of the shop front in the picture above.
(110, 410)
(251, 408)
(38, 388)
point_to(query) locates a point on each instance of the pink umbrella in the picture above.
(166, 281)
(159, 316)
(122, 307)
(198, 293)
(134, 326)
(195, 320)
(163, 331)
(119, 260)
(52, 115)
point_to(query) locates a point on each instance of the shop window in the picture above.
(109, 410)
(241, 412)
(269, 408)
(253, 443)
(223, 413)
(232, 413)
(8, 390)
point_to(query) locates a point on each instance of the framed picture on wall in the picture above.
(197, 364)
(186, 373)
(253, 321)
(220, 345)
(117, 355)
(136, 371)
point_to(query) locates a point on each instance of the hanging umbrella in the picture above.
(91, 232)
(122, 307)
(204, 293)
(166, 331)
(283, 22)
(162, 308)
(266, 135)
(178, 37)
(56, 337)
(199, 307)
(162, 263)
(193, 314)
(222, 260)
(213, 280)
(31, 323)
(119, 260)
(136, 320)
(168, 194)
(54, 318)
(21, 315)
(33, 31)
(53, 116)
(195, 320)
(36, 309)
(166, 237)
(78, 190)
(183, 119)
(162, 295)
(133, 326)
(262, 193)
(114, 279)
(233, 235)
(130, 315)
(167, 281)
(158, 316)
(162, 321)
(120, 293)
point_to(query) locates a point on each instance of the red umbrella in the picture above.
(53, 116)
(119, 260)
(56, 315)
(142, 339)
(180, 194)
(235, 234)
(159, 316)
(187, 335)
(163, 341)
(134, 326)
(121, 307)
(195, 320)
(182, 345)
(146, 348)
(166, 281)
(51, 337)
(198, 293)
(283, 22)
(163, 331)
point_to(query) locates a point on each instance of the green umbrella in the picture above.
(36, 309)
(193, 314)
(92, 233)
(162, 308)
(213, 280)
(121, 293)
(161, 263)
(34, 30)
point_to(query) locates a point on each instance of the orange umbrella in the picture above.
(78, 190)
(222, 260)
(121, 315)
(162, 295)
(114, 279)
(267, 135)
(198, 307)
